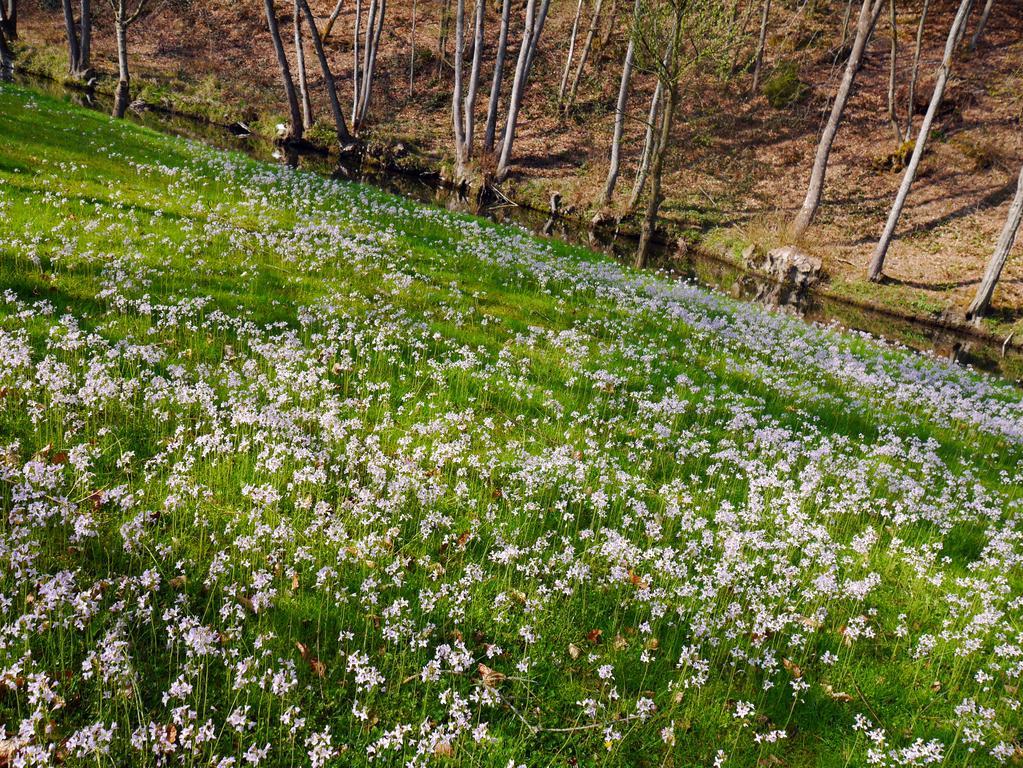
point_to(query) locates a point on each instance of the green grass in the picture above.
(262, 431)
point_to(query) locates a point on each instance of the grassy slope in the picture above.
(256, 422)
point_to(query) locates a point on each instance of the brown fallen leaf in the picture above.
(791, 667)
(491, 677)
(637, 581)
(178, 582)
(294, 582)
(594, 635)
(620, 643)
(574, 651)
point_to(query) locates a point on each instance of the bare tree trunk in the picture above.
(534, 40)
(845, 23)
(73, 51)
(761, 45)
(373, 48)
(649, 227)
(585, 55)
(456, 96)
(605, 38)
(571, 52)
(329, 26)
(442, 37)
(343, 135)
(295, 127)
(474, 77)
(357, 30)
(6, 58)
(518, 86)
(981, 25)
(303, 81)
(495, 86)
(864, 26)
(982, 301)
(412, 53)
(648, 148)
(616, 139)
(893, 116)
(9, 20)
(911, 101)
(123, 76)
(84, 39)
(366, 44)
(954, 35)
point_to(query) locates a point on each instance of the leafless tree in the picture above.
(9, 19)
(870, 10)
(412, 52)
(371, 45)
(893, 53)
(303, 80)
(914, 71)
(758, 61)
(571, 52)
(295, 128)
(673, 39)
(124, 17)
(474, 78)
(495, 86)
(456, 96)
(954, 36)
(643, 169)
(344, 137)
(329, 26)
(79, 38)
(585, 54)
(531, 30)
(6, 58)
(982, 301)
(981, 25)
(623, 96)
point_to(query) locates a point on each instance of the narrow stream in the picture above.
(702, 268)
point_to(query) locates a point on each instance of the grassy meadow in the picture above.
(297, 473)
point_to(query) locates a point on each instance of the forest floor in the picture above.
(294, 472)
(738, 167)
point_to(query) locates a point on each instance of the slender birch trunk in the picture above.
(954, 36)
(981, 25)
(845, 23)
(761, 45)
(893, 115)
(518, 86)
(366, 44)
(571, 52)
(649, 226)
(616, 139)
(303, 80)
(584, 55)
(495, 86)
(412, 53)
(648, 147)
(982, 301)
(329, 26)
(343, 134)
(474, 77)
(295, 129)
(911, 100)
(865, 24)
(123, 76)
(534, 40)
(357, 30)
(456, 95)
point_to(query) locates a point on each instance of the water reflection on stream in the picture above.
(693, 265)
